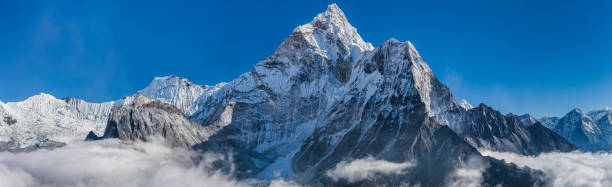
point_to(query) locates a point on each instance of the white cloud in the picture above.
(283, 183)
(110, 163)
(470, 175)
(366, 168)
(566, 169)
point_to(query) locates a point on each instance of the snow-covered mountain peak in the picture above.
(329, 34)
(577, 110)
(598, 114)
(579, 128)
(179, 92)
(549, 122)
(527, 119)
(44, 118)
(333, 15)
(41, 97)
(400, 64)
(465, 104)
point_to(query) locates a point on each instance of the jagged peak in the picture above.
(577, 111)
(173, 80)
(332, 16)
(164, 82)
(482, 105)
(170, 78)
(330, 34)
(392, 42)
(465, 104)
(597, 114)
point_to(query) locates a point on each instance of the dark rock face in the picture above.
(9, 120)
(544, 140)
(527, 119)
(488, 128)
(145, 118)
(91, 136)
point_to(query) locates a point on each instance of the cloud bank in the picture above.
(110, 163)
(566, 169)
(470, 175)
(366, 168)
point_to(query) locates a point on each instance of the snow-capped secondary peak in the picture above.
(43, 118)
(465, 104)
(598, 114)
(179, 92)
(527, 119)
(549, 122)
(581, 130)
(577, 110)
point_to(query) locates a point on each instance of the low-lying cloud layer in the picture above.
(110, 163)
(366, 168)
(566, 169)
(470, 175)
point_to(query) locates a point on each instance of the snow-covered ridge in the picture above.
(465, 104)
(43, 118)
(180, 92)
(598, 114)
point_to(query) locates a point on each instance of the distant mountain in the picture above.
(144, 118)
(44, 121)
(489, 129)
(590, 132)
(598, 114)
(581, 130)
(549, 122)
(527, 119)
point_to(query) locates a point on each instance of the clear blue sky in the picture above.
(541, 57)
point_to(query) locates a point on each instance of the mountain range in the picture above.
(324, 97)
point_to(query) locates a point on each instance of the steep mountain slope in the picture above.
(145, 118)
(549, 122)
(326, 96)
(44, 121)
(582, 131)
(489, 129)
(603, 119)
(527, 119)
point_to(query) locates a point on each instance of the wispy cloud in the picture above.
(470, 175)
(566, 169)
(366, 168)
(110, 163)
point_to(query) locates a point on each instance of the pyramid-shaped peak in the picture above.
(577, 110)
(329, 34)
(333, 15)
